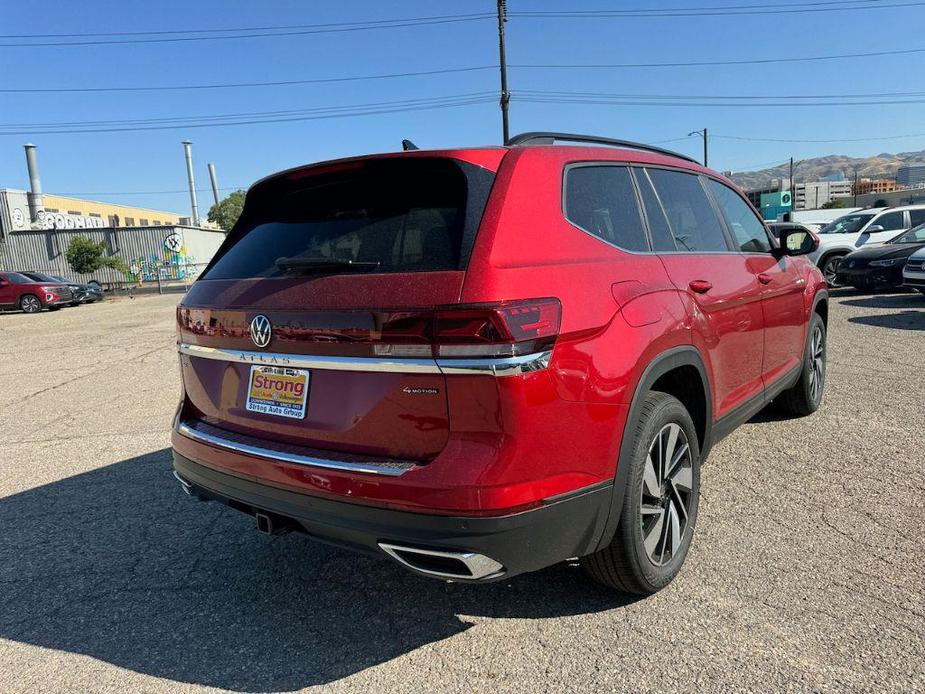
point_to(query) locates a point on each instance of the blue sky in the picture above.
(103, 165)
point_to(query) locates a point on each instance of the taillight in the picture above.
(506, 329)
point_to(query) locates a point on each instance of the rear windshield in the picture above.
(387, 215)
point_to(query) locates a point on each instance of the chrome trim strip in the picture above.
(280, 456)
(479, 565)
(310, 361)
(495, 366)
(506, 366)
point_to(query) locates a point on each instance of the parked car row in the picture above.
(868, 249)
(31, 292)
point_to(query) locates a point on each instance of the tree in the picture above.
(835, 203)
(226, 212)
(86, 256)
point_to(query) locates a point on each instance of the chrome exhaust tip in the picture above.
(448, 565)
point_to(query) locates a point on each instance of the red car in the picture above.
(481, 362)
(20, 292)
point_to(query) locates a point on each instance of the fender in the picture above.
(685, 355)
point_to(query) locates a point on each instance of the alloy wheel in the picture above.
(30, 304)
(817, 365)
(666, 495)
(831, 271)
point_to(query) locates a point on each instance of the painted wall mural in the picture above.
(172, 262)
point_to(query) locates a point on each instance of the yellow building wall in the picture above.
(89, 208)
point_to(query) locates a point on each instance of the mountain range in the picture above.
(878, 166)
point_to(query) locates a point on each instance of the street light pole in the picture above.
(704, 133)
(502, 61)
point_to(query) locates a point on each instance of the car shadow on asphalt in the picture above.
(908, 301)
(120, 565)
(910, 317)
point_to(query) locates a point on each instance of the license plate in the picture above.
(278, 391)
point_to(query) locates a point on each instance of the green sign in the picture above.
(779, 199)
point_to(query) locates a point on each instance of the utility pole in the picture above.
(502, 60)
(855, 186)
(704, 133)
(188, 153)
(793, 197)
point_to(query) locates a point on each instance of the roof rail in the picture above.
(543, 138)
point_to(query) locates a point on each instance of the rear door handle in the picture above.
(765, 278)
(700, 286)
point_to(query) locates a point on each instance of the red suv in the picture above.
(481, 362)
(30, 296)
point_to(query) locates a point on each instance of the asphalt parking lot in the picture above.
(806, 573)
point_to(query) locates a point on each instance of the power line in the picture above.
(804, 8)
(710, 63)
(721, 97)
(289, 30)
(235, 85)
(446, 71)
(375, 108)
(825, 141)
(248, 114)
(604, 101)
(185, 191)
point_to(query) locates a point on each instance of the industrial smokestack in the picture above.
(36, 200)
(214, 182)
(188, 151)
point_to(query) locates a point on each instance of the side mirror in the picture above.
(3, 282)
(873, 229)
(797, 242)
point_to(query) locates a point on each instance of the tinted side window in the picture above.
(747, 230)
(917, 216)
(693, 222)
(891, 221)
(602, 201)
(662, 240)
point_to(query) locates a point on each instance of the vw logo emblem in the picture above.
(261, 331)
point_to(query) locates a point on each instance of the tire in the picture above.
(654, 504)
(829, 267)
(30, 303)
(805, 396)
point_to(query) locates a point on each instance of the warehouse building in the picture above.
(36, 230)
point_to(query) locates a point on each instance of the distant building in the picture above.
(812, 195)
(877, 185)
(60, 212)
(911, 175)
(776, 185)
(902, 196)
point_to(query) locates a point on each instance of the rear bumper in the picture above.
(563, 527)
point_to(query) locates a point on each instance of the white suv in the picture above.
(870, 227)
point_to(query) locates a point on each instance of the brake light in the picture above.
(508, 329)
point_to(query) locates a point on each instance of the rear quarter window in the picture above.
(392, 215)
(602, 201)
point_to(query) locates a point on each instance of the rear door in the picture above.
(723, 295)
(779, 278)
(892, 223)
(312, 324)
